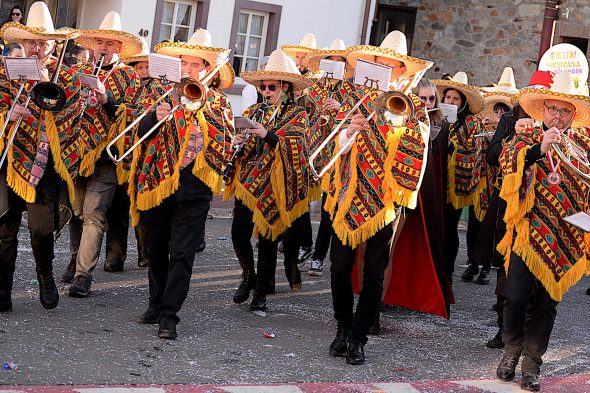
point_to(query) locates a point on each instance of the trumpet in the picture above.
(395, 105)
(192, 96)
(324, 119)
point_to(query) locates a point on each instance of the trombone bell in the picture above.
(397, 106)
(49, 96)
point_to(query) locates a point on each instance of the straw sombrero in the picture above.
(279, 67)
(39, 27)
(199, 45)
(337, 48)
(394, 46)
(563, 88)
(461, 83)
(307, 44)
(141, 56)
(110, 29)
(504, 91)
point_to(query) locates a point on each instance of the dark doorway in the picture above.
(580, 43)
(389, 18)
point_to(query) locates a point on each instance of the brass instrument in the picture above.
(192, 96)
(324, 119)
(568, 150)
(97, 67)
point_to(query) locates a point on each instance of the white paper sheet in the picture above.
(88, 80)
(449, 111)
(333, 69)
(580, 220)
(164, 67)
(22, 68)
(372, 75)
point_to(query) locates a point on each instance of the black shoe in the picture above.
(113, 266)
(48, 293)
(5, 301)
(496, 342)
(167, 329)
(340, 344)
(304, 253)
(143, 263)
(258, 301)
(588, 291)
(483, 278)
(470, 273)
(70, 272)
(505, 370)
(148, 318)
(80, 287)
(355, 354)
(201, 246)
(530, 382)
(243, 292)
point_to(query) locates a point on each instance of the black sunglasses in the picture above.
(15, 14)
(270, 87)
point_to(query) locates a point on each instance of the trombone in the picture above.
(193, 96)
(570, 150)
(394, 103)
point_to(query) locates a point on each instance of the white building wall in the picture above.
(93, 11)
(137, 15)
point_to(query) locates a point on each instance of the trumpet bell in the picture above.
(49, 96)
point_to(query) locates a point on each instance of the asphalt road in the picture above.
(97, 341)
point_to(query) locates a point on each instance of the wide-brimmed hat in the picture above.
(563, 88)
(394, 46)
(39, 27)
(460, 83)
(110, 29)
(279, 67)
(141, 56)
(337, 48)
(307, 44)
(504, 91)
(199, 45)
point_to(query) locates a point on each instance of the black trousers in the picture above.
(306, 232)
(322, 240)
(452, 217)
(376, 261)
(529, 315)
(241, 233)
(172, 232)
(118, 229)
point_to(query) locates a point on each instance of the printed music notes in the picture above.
(22, 68)
(449, 111)
(372, 75)
(165, 68)
(332, 69)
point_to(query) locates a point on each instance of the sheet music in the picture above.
(332, 69)
(22, 68)
(164, 67)
(89, 80)
(373, 75)
(449, 111)
(580, 220)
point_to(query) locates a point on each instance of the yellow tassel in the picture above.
(315, 191)
(19, 185)
(132, 188)
(2, 117)
(60, 168)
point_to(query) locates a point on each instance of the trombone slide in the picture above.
(13, 135)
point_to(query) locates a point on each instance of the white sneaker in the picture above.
(304, 253)
(316, 268)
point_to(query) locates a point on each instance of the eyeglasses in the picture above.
(427, 99)
(15, 14)
(554, 110)
(263, 87)
(31, 44)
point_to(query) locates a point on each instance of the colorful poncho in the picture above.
(155, 170)
(466, 167)
(274, 185)
(553, 250)
(60, 130)
(96, 129)
(383, 170)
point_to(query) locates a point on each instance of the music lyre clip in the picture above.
(370, 82)
(164, 80)
(329, 75)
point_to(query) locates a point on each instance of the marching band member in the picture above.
(174, 176)
(370, 185)
(275, 156)
(104, 115)
(545, 255)
(43, 156)
(465, 175)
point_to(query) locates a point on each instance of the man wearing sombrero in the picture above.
(365, 200)
(104, 116)
(545, 255)
(466, 181)
(299, 54)
(275, 155)
(43, 157)
(175, 173)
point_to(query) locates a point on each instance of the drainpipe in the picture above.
(365, 26)
(549, 18)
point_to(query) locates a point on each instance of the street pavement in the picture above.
(86, 344)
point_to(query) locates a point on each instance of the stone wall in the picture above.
(477, 36)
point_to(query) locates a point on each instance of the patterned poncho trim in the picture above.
(466, 168)
(274, 185)
(384, 169)
(554, 251)
(60, 127)
(97, 130)
(156, 165)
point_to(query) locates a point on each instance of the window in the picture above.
(390, 18)
(580, 43)
(250, 40)
(178, 21)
